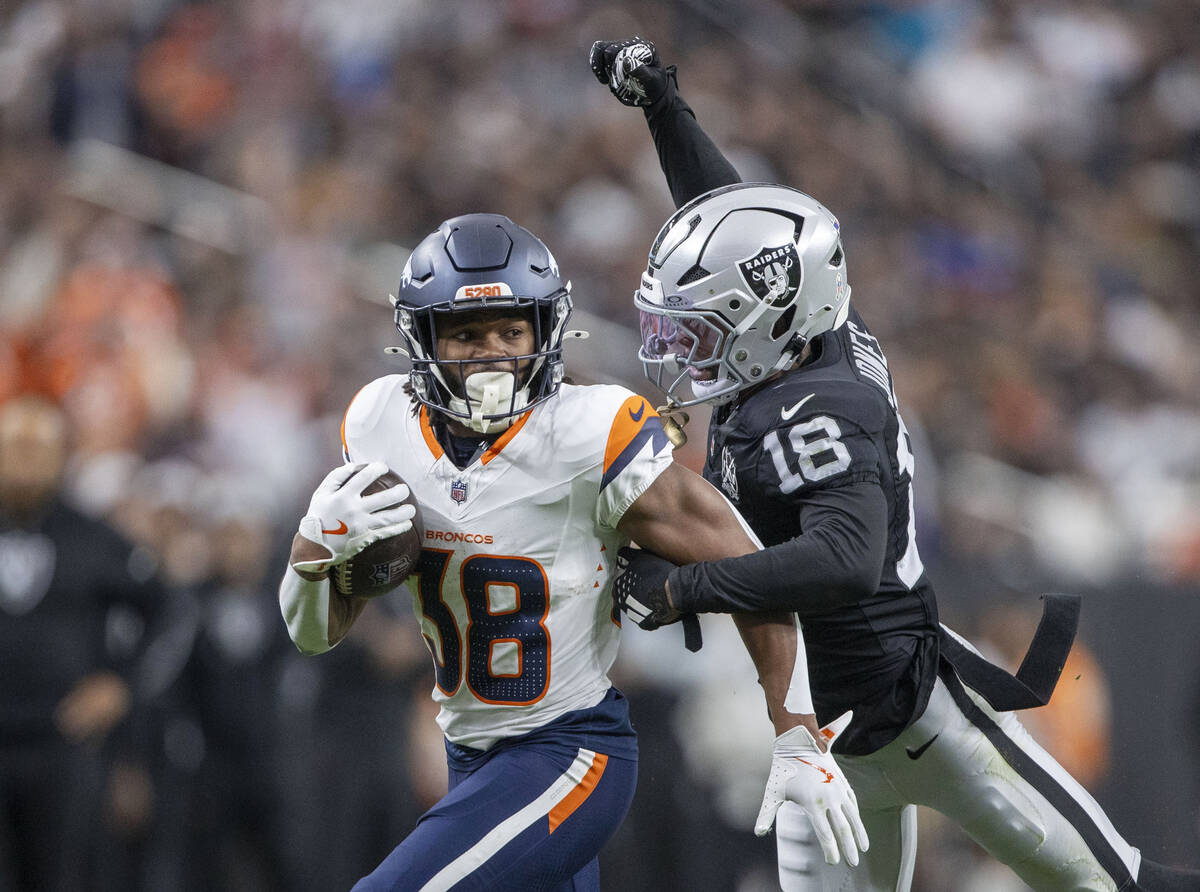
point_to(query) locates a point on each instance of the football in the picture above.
(383, 565)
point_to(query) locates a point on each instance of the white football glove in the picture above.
(344, 521)
(802, 774)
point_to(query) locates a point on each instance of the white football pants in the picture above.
(982, 770)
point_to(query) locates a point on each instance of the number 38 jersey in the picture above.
(834, 422)
(513, 592)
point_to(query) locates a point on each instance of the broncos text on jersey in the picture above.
(833, 422)
(513, 592)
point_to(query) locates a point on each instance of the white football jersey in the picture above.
(513, 592)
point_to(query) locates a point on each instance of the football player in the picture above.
(529, 486)
(745, 305)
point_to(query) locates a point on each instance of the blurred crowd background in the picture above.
(203, 206)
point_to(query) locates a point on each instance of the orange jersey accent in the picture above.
(431, 439)
(628, 423)
(495, 448)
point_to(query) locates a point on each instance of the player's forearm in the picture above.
(837, 561)
(305, 607)
(317, 617)
(690, 160)
(774, 643)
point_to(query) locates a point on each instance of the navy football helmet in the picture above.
(482, 262)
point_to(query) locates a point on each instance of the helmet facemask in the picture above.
(487, 400)
(714, 349)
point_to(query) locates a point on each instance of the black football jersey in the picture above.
(834, 422)
(63, 574)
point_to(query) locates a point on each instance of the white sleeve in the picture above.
(305, 608)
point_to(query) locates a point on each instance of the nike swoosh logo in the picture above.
(788, 413)
(341, 528)
(828, 775)
(917, 753)
(638, 416)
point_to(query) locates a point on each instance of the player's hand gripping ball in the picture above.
(383, 565)
(363, 530)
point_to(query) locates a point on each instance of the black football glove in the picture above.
(640, 592)
(630, 69)
(640, 589)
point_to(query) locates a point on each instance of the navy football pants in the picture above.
(532, 817)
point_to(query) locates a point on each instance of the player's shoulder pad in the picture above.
(380, 400)
(608, 422)
(799, 396)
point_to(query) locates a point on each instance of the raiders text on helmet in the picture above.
(739, 280)
(482, 262)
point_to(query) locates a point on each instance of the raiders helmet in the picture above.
(739, 280)
(482, 262)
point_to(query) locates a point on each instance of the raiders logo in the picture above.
(773, 274)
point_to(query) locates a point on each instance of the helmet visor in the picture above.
(693, 340)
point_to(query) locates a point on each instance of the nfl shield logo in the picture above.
(381, 574)
(458, 491)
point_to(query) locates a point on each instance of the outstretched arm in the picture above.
(836, 561)
(690, 160)
(682, 518)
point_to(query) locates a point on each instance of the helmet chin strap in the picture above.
(489, 393)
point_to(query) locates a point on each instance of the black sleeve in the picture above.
(836, 561)
(692, 163)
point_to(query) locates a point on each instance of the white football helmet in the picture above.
(739, 280)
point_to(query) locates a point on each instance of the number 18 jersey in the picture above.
(513, 591)
(829, 423)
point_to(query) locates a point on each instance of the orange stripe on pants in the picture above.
(579, 794)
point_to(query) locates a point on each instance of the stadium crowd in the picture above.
(202, 207)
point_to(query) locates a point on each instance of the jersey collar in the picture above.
(435, 447)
